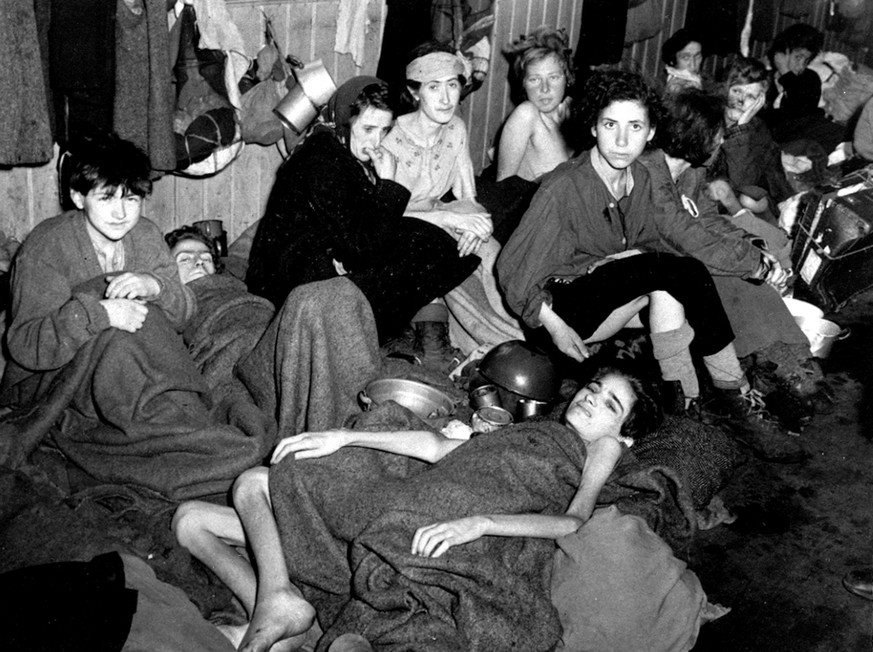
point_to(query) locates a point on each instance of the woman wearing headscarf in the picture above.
(433, 162)
(336, 209)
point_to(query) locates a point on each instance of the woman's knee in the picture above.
(253, 483)
(189, 522)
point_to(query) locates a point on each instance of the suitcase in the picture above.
(833, 247)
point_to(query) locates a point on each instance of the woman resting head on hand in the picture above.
(531, 142)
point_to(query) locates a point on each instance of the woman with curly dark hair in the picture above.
(592, 253)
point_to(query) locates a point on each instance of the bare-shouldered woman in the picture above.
(531, 142)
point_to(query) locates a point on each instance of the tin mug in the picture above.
(529, 407)
(490, 418)
(484, 396)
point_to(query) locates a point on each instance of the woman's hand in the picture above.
(565, 338)
(720, 190)
(479, 224)
(309, 445)
(125, 314)
(751, 111)
(130, 285)
(468, 244)
(384, 162)
(434, 540)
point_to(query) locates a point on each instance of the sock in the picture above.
(674, 358)
(724, 369)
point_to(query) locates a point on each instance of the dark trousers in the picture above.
(585, 302)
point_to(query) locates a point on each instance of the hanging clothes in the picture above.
(601, 36)
(82, 55)
(144, 102)
(25, 124)
(644, 20)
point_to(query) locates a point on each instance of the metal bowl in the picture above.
(423, 400)
(518, 367)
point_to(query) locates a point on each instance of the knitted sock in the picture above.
(724, 369)
(673, 356)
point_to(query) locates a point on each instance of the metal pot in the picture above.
(424, 401)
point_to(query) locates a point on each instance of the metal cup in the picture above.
(484, 396)
(490, 418)
(529, 407)
(214, 230)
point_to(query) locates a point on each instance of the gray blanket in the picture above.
(347, 522)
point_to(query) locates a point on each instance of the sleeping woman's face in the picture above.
(438, 99)
(545, 83)
(194, 259)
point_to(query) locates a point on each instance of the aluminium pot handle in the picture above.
(844, 333)
(365, 401)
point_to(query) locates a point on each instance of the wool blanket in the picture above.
(228, 324)
(132, 408)
(347, 522)
(319, 351)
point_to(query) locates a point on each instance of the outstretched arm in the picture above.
(419, 444)
(603, 454)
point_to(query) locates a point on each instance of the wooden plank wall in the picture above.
(306, 28)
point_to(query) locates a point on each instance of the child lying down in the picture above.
(413, 541)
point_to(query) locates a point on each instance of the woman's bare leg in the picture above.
(212, 534)
(280, 612)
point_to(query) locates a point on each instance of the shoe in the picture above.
(672, 397)
(746, 415)
(432, 345)
(402, 346)
(860, 582)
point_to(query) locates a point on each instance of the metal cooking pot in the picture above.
(424, 401)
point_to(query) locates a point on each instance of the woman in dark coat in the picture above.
(335, 210)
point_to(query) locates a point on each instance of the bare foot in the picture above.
(280, 617)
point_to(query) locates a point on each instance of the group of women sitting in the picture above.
(378, 216)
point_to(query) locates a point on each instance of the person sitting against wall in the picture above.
(532, 141)
(490, 480)
(749, 160)
(590, 255)
(685, 142)
(682, 55)
(434, 164)
(793, 97)
(97, 306)
(336, 209)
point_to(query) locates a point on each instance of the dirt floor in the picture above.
(801, 527)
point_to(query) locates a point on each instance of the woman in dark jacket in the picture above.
(335, 210)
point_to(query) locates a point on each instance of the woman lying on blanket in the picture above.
(607, 414)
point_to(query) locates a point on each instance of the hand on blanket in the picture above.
(434, 540)
(309, 445)
(125, 314)
(130, 285)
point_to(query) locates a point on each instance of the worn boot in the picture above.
(746, 415)
(432, 345)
